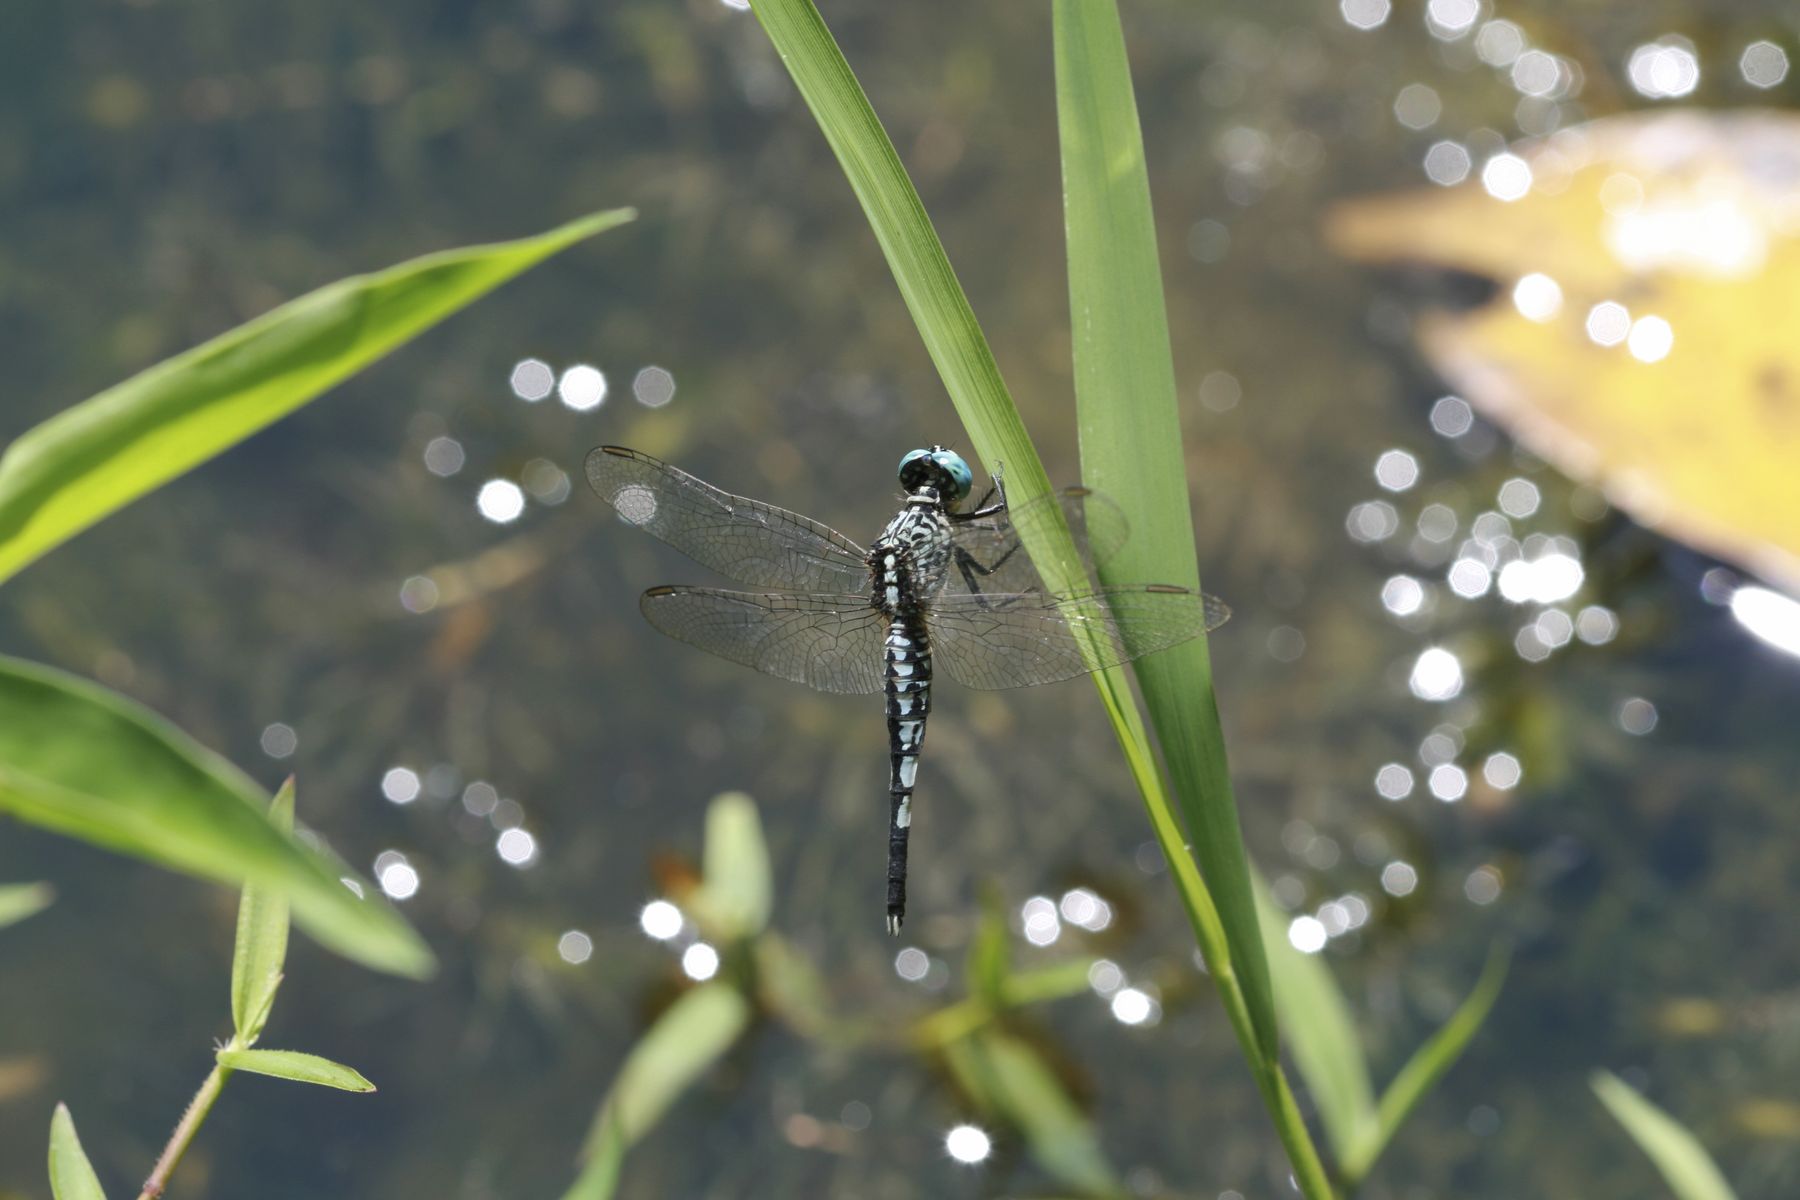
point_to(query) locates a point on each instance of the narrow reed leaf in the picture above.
(1426, 1066)
(89, 460)
(1008, 1079)
(1131, 447)
(736, 889)
(691, 1035)
(21, 900)
(1321, 1034)
(292, 1064)
(1688, 1169)
(71, 1175)
(81, 760)
(262, 936)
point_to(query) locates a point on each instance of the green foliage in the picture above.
(1686, 1166)
(1110, 236)
(71, 1175)
(291, 1064)
(1321, 1033)
(1131, 450)
(94, 458)
(262, 935)
(1010, 1081)
(736, 892)
(83, 760)
(1422, 1071)
(688, 1038)
(261, 948)
(21, 900)
(1328, 1051)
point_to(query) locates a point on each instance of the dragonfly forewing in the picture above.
(746, 540)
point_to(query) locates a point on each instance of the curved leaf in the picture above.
(691, 1035)
(735, 886)
(71, 1175)
(292, 1064)
(85, 761)
(262, 937)
(1689, 1169)
(1009, 1080)
(21, 900)
(85, 462)
(1321, 1033)
(1426, 1066)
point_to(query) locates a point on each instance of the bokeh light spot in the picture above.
(532, 379)
(582, 387)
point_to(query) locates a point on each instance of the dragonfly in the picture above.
(947, 585)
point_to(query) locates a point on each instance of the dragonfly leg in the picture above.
(982, 507)
(970, 566)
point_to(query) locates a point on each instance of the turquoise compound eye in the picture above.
(911, 457)
(961, 478)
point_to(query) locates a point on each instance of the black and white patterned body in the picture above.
(945, 587)
(907, 564)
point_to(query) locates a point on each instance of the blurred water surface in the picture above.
(456, 670)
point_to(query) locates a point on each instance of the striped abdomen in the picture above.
(906, 670)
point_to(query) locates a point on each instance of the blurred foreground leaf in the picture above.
(1321, 1033)
(735, 888)
(689, 1037)
(1683, 1161)
(1677, 217)
(1010, 1081)
(71, 1175)
(301, 1068)
(84, 761)
(262, 937)
(21, 900)
(85, 462)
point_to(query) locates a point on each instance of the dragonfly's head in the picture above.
(937, 468)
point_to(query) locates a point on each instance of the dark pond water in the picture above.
(169, 170)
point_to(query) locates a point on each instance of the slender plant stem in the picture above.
(1271, 1080)
(191, 1120)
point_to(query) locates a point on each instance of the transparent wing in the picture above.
(748, 540)
(832, 643)
(994, 641)
(988, 556)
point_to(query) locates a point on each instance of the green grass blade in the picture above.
(292, 1064)
(1008, 1079)
(1321, 1034)
(262, 935)
(1690, 1171)
(689, 1037)
(896, 215)
(21, 900)
(737, 892)
(82, 464)
(1427, 1065)
(84, 761)
(71, 1175)
(1131, 445)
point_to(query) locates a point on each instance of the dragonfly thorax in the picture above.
(908, 562)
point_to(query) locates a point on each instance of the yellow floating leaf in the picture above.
(1641, 337)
